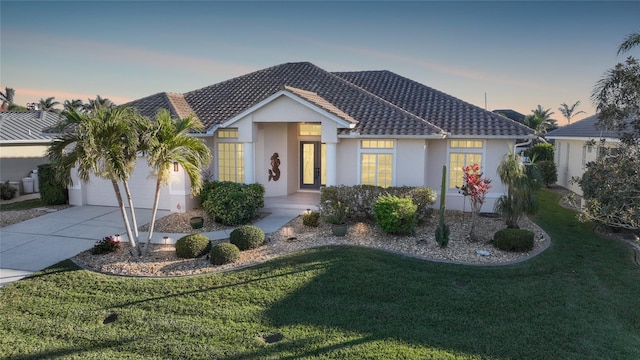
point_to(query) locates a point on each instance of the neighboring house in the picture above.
(574, 148)
(296, 127)
(511, 114)
(23, 145)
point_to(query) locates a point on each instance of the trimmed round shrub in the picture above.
(247, 237)
(541, 152)
(395, 215)
(232, 203)
(311, 219)
(192, 246)
(517, 240)
(224, 253)
(7, 191)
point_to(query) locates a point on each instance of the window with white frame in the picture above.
(462, 153)
(227, 133)
(376, 162)
(231, 162)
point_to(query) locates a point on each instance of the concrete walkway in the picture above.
(38, 243)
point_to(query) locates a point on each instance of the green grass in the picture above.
(23, 205)
(577, 300)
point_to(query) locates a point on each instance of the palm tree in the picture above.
(48, 104)
(75, 104)
(629, 43)
(103, 143)
(537, 123)
(7, 97)
(568, 111)
(98, 102)
(543, 113)
(521, 182)
(167, 141)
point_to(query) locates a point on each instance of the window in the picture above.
(228, 134)
(376, 144)
(310, 130)
(376, 162)
(462, 153)
(231, 162)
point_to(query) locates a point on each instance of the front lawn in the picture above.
(577, 300)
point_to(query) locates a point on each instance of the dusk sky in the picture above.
(520, 54)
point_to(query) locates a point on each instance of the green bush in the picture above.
(247, 237)
(51, 191)
(517, 240)
(311, 219)
(192, 246)
(549, 171)
(541, 152)
(224, 253)
(360, 198)
(232, 203)
(7, 191)
(395, 215)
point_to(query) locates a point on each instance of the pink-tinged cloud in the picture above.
(116, 53)
(445, 69)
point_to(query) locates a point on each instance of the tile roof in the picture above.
(320, 102)
(455, 116)
(378, 102)
(585, 128)
(26, 126)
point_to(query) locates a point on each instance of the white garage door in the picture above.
(100, 191)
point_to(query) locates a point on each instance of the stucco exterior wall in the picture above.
(17, 161)
(410, 162)
(571, 156)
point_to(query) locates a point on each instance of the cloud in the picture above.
(117, 53)
(432, 66)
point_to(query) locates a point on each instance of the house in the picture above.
(23, 145)
(511, 114)
(574, 148)
(295, 127)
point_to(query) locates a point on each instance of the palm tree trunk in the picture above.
(132, 209)
(123, 211)
(153, 214)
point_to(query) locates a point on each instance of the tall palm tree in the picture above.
(569, 111)
(103, 143)
(631, 41)
(48, 104)
(167, 141)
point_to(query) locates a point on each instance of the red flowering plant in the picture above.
(476, 188)
(106, 245)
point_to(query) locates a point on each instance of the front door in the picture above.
(310, 165)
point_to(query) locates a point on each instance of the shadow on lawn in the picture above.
(539, 309)
(75, 351)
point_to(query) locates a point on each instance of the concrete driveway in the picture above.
(35, 244)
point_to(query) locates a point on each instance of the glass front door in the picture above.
(310, 165)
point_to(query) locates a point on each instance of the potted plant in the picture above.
(196, 222)
(336, 215)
